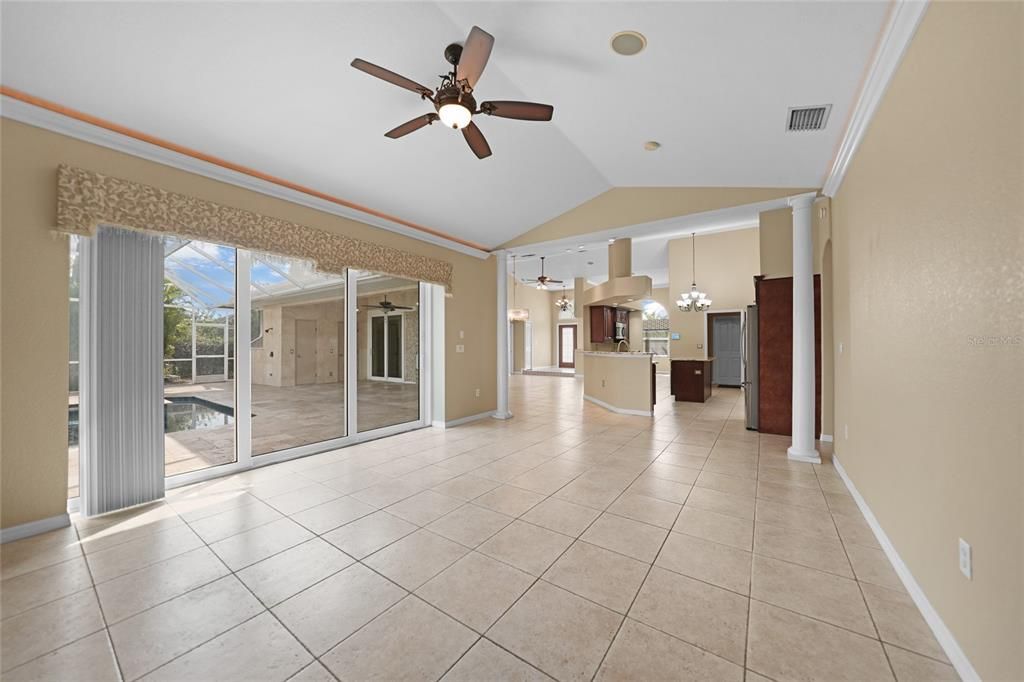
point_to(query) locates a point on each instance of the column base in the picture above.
(800, 455)
(502, 415)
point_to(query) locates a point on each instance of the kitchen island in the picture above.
(620, 382)
(691, 379)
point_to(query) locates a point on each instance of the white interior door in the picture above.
(728, 343)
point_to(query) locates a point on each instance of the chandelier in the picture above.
(563, 303)
(694, 300)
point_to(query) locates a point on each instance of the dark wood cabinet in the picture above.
(691, 380)
(775, 354)
(603, 319)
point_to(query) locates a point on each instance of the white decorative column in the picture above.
(802, 448)
(502, 304)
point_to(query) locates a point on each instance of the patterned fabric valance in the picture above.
(86, 199)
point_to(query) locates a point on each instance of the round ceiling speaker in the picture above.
(628, 43)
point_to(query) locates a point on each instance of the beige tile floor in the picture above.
(568, 542)
(284, 417)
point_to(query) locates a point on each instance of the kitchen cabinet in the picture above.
(691, 379)
(603, 323)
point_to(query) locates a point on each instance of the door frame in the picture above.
(575, 331)
(709, 335)
(432, 316)
(400, 379)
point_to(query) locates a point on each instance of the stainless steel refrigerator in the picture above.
(750, 367)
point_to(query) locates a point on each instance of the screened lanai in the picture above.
(295, 381)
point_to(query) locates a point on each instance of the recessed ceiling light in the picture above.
(612, 240)
(628, 43)
(652, 145)
(568, 250)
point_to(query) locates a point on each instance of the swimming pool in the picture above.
(181, 413)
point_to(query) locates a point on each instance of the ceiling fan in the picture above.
(543, 281)
(389, 307)
(453, 100)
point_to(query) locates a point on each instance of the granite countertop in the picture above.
(628, 354)
(684, 359)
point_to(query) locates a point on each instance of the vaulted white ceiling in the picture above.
(269, 86)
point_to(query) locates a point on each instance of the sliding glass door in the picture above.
(298, 354)
(264, 358)
(199, 343)
(388, 351)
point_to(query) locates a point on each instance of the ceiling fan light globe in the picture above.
(454, 115)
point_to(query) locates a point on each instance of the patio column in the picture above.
(502, 315)
(802, 448)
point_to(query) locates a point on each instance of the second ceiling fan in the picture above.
(543, 281)
(453, 100)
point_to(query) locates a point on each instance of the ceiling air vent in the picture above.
(808, 118)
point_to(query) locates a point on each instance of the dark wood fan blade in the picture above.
(554, 281)
(401, 307)
(392, 77)
(475, 54)
(410, 126)
(523, 111)
(476, 141)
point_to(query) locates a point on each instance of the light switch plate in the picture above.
(459, 348)
(965, 559)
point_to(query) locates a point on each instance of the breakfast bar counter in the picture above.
(620, 382)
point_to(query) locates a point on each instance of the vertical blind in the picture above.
(121, 354)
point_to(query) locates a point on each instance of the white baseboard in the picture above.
(619, 410)
(945, 638)
(27, 530)
(467, 419)
(825, 438)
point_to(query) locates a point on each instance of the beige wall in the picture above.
(623, 381)
(726, 265)
(929, 300)
(624, 206)
(34, 314)
(542, 310)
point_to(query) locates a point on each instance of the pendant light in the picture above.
(563, 303)
(694, 300)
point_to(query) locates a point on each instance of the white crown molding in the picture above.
(27, 530)
(942, 633)
(30, 114)
(896, 36)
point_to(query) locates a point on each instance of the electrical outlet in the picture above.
(840, 347)
(699, 346)
(477, 393)
(459, 348)
(965, 559)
